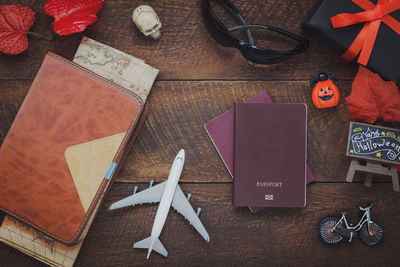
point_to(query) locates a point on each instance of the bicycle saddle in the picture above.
(366, 208)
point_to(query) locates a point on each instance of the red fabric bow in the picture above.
(372, 16)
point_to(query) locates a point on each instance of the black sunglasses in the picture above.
(252, 53)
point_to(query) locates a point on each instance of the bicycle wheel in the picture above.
(325, 228)
(376, 235)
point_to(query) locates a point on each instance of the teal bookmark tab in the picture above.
(110, 170)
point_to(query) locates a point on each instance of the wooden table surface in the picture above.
(199, 80)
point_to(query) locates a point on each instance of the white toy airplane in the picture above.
(168, 193)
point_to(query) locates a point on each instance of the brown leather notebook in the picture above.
(270, 155)
(64, 148)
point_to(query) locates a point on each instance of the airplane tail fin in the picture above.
(151, 243)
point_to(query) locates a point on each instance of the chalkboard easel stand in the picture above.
(371, 168)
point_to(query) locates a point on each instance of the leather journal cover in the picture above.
(63, 148)
(123, 69)
(270, 155)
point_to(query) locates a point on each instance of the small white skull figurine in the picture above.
(147, 21)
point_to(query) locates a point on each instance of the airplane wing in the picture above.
(150, 195)
(182, 205)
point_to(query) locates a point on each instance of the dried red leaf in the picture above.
(15, 22)
(72, 15)
(372, 97)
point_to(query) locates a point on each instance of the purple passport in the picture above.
(221, 132)
(270, 155)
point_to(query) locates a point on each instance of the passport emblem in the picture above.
(269, 197)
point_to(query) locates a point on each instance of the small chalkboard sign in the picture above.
(373, 142)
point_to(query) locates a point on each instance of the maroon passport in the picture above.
(270, 155)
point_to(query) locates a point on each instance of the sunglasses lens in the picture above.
(214, 27)
(241, 36)
(260, 57)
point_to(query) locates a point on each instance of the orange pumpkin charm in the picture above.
(325, 93)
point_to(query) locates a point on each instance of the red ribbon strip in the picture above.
(372, 16)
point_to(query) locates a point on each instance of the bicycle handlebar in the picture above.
(369, 205)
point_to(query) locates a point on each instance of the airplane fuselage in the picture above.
(168, 195)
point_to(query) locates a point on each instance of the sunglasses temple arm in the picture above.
(251, 40)
(252, 26)
(303, 42)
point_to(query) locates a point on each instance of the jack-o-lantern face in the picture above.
(325, 94)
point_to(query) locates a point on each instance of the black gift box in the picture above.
(385, 56)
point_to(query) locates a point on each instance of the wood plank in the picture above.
(199, 80)
(271, 237)
(185, 50)
(178, 112)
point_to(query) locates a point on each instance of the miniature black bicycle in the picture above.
(332, 230)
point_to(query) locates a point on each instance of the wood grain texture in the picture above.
(176, 120)
(185, 51)
(273, 236)
(199, 80)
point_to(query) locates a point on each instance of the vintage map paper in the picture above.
(123, 69)
(29, 241)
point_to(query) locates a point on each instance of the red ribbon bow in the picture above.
(372, 16)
